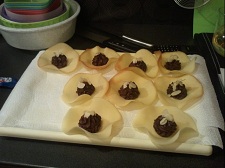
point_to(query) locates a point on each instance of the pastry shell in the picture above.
(70, 96)
(145, 86)
(187, 64)
(44, 61)
(194, 90)
(87, 56)
(186, 126)
(145, 55)
(110, 117)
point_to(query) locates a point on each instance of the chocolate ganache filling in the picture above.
(90, 121)
(139, 64)
(100, 60)
(85, 87)
(164, 126)
(173, 65)
(177, 90)
(129, 91)
(59, 61)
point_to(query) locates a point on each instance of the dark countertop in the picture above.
(25, 152)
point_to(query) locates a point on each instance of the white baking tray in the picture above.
(127, 138)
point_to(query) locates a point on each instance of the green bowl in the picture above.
(12, 24)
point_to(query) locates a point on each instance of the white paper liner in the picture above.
(35, 104)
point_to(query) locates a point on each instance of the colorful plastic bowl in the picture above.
(28, 4)
(32, 18)
(45, 36)
(32, 10)
(8, 23)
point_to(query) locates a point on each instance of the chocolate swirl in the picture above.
(164, 128)
(100, 60)
(59, 61)
(173, 65)
(129, 91)
(139, 64)
(92, 123)
(86, 89)
(177, 90)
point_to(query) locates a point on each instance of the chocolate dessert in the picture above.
(59, 61)
(164, 126)
(173, 65)
(139, 64)
(90, 121)
(177, 90)
(129, 91)
(99, 60)
(85, 88)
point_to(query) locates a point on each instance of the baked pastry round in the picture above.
(176, 63)
(60, 58)
(98, 58)
(185, 126)
(72, 94)
(110, 119)
(145, 86)
(194, 90)
(142, 60)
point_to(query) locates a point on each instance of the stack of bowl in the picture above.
(39, 24)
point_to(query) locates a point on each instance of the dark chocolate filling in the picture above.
(91, 124)
(165, 130)
(87, 89)
(59, 61)
(139, 64)
(100, 60)
(173, 65)
(180, 87)
(129, 93)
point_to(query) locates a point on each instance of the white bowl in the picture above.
(42, 37)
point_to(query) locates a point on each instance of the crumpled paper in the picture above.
(35, 103)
